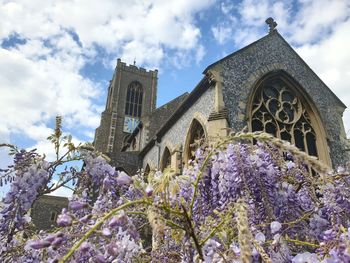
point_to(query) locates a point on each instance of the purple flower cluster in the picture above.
(285, 214)
(30, 177)
(117, 239)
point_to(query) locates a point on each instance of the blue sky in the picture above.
(56, 57)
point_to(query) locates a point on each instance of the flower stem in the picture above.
(98, 225)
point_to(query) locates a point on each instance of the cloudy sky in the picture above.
(57, 57)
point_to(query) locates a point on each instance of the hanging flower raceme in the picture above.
(236, 202)
(30, 176)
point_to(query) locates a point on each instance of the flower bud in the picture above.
(50, 238)
(85, 247)
(85, 219)
(76, 205)
(124, 179)
(38, 244)
(106, 232)
(64, 220)
(149, 190)
(275, 226)
(118, 220)
(260, 237)
(57, 241)
(100, 259)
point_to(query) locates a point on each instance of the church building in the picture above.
(265, 86)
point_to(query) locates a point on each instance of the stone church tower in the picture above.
(131, 96)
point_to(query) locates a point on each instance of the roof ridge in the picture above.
(171, 101)
(239, 50)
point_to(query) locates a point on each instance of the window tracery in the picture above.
(277, 109)
(133, 106)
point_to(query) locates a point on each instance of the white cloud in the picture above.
(254, 12)
(200, 52)
(62, 191)
(245, 21)
(330, 58)
(41, 74)
(34, 91)
(320, 30)
(109, 24)
(227, 7)
(222, 33)
(317, 17)
(5, 158)
(46, 147)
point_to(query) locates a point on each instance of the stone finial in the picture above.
(271, 23)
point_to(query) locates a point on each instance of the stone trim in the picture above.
(270, 71)
(204, 123)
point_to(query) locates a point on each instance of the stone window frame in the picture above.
(306, 102)
(53, 216)
(146, 172)
(134, 100)
(189, 138)
(166, 159)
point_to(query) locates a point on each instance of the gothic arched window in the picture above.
(279, 109)
(195, 138)
(166, 159)
(133, 106)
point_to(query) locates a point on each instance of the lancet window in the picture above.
(133, 106)
(196, 138)
(166, 159)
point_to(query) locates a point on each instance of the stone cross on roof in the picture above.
(272, 24)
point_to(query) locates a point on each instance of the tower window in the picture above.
(133, 106)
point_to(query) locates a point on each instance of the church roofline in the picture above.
(274, 32)
(140, 125)
(303, 61)
(170, 102)
(236, 52)
(135, 69)
(201, 87)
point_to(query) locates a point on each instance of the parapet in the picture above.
(133, 68)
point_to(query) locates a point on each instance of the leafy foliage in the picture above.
(236, 202)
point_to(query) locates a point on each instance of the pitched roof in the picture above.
(159, 116)
(273, 33)
(205, 83)
(190, 99)
(235, 53)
